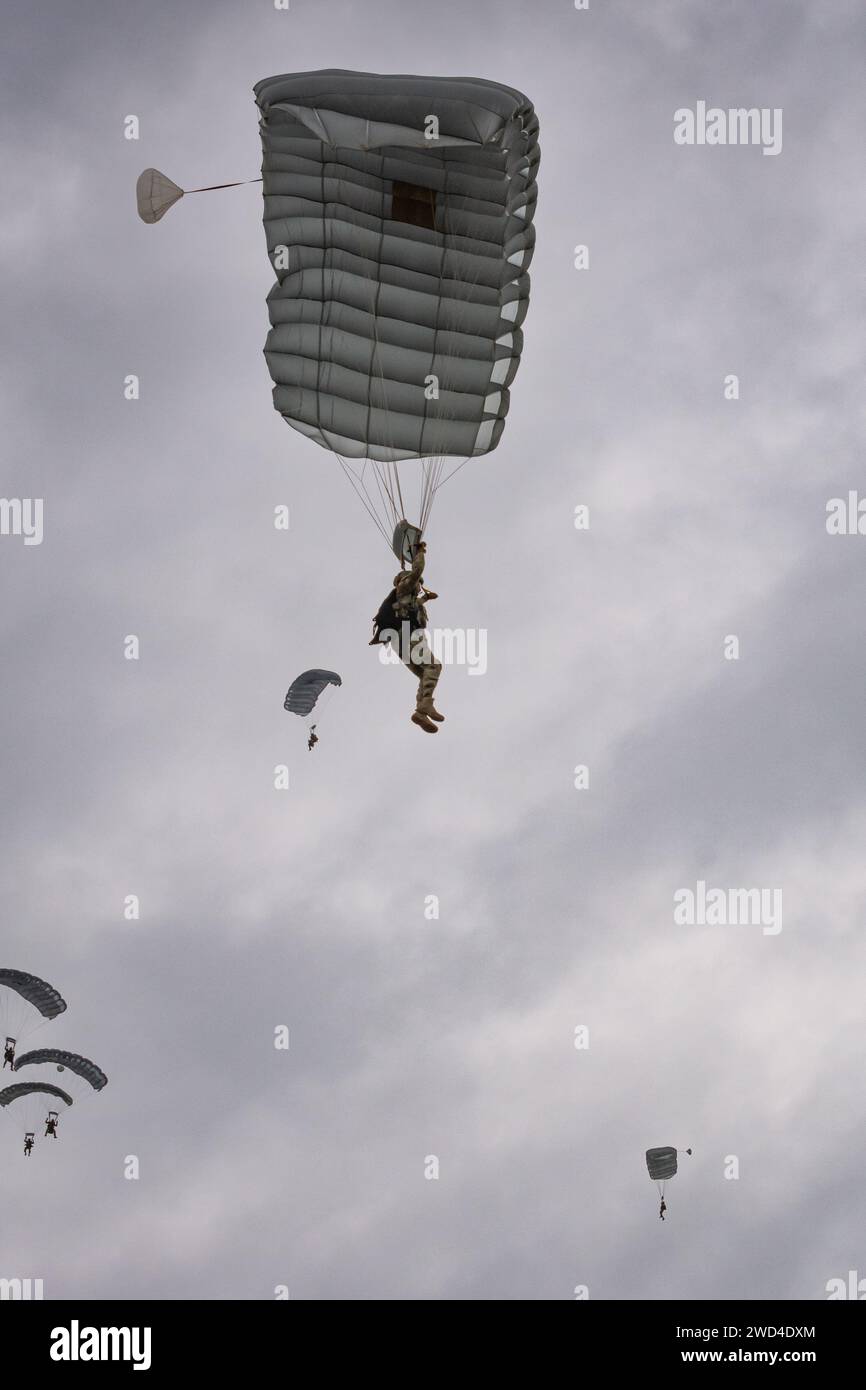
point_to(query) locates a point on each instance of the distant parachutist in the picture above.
(9, 1054)
(662, 1166)
(313, 739)
(28, 1143)
(51, 1124)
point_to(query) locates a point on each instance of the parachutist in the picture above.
(313, 739)
(28, 1143)
(9, 1054)
(402, 621)
(661, 1166)
(23, 1095)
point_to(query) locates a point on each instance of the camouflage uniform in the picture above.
(411, 644)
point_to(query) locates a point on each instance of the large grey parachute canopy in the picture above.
(398, 215)
(29, 1088)
(306, 689)
(42, 996)
(661, 1163)
(65, 1061)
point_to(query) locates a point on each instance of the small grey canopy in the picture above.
(306, 689)
(398, 216)
(406, 537)
(155, 193)
(29, 1088)
(65, 1061)
(661, 1163)
(42, 996)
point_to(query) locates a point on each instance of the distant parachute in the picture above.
(662, 1165)
(32, 1088)
(305, 690)
(65, 1061)
(42, 996)
(26, 1004)
(28, 1103)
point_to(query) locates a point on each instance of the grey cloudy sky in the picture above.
(451, 1037)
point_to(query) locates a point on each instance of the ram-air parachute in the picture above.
(30, 1103)
(22, 1089)
(26, 1003)
(73, 1064)
(44, 998)
(304, 691)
